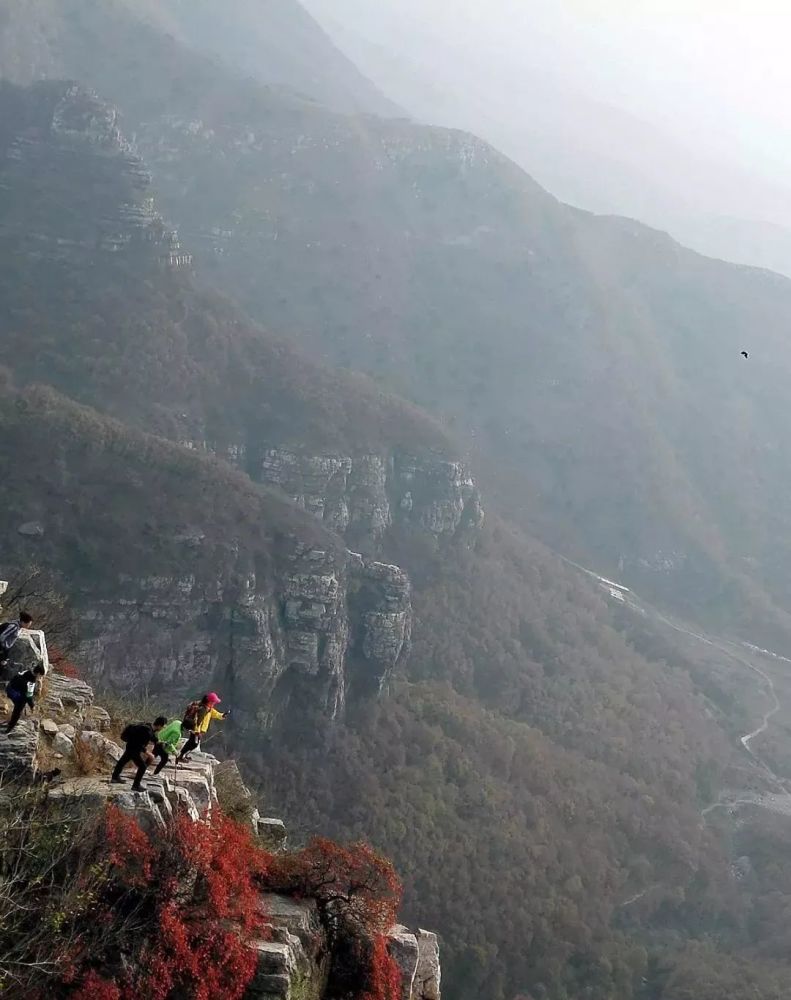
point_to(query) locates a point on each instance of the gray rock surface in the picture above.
(271, 831)
(33, 529)
(428, 975)
(402, 945)
(62, 744)
(292, 965)
(18, 750)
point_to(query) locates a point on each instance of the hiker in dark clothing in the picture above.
(21, 689)
(9, 633)
(138, 738)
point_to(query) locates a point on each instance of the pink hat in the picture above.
(212, 699)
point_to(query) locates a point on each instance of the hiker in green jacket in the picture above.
(168, 739)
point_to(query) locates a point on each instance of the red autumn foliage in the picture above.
(354, 882)
(384, 975)
(62, 665)
(194, 892)
(358, 893)
(93, 987)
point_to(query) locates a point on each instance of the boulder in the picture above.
(402, 946)
(68, 730)
(31, 529)
(66, 694)
(62, 744)
(18, 750)
(49, 727)
(109, 752)
(272, 832)
(98, 718)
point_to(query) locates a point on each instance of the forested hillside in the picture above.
(537, 758)
(593, 364)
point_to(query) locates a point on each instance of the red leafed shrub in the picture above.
(187, 902)
(358, 893)
(202, 946)
(385, 976)
(62, 665)
(354, 882)
(93, 987)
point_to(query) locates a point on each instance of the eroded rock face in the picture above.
(272, 644)
(428, 975)
(402, 945)
(361, 497)
(293, 964)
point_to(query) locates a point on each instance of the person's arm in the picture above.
(217, 715)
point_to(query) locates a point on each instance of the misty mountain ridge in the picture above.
(588, 153)
(296, 535)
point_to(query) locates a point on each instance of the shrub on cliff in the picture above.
(190, 897)
(358, 894)
(98, 910)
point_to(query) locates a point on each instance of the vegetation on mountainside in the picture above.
(537, 770)
(93, 908)
(536, 773)
(144, 344)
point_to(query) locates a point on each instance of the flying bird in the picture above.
(745, 354)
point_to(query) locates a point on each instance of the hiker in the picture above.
(21, 689)
(196, 722)
(168, 739)
(138, 738)
(9, 633)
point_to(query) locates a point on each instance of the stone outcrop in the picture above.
(68, 132)
(361, 497)
(417, 957)
(324, 620)
(428, 975)
(293, 965)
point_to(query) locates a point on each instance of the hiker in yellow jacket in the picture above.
(196, 722)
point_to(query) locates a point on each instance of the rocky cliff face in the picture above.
(71, 185)
(361, 497)
(324, 621)
(293, 961)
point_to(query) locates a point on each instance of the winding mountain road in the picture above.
(776, 801)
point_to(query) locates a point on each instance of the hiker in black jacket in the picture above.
(138, 738)
(9, 633)
(21, 689)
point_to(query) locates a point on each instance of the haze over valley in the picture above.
(417, 377)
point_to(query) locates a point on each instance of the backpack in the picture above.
(125, 735)
(192, 715)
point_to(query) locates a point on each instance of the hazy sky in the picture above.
(712, 69)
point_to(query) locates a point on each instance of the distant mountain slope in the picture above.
(594, 364)
(93, 301)
(533, 770)
(274, 41)
(590, 154)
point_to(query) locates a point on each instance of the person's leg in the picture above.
(142, 767)
(19, 705)
(189, 746)
(123, 760)
(162, 753)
